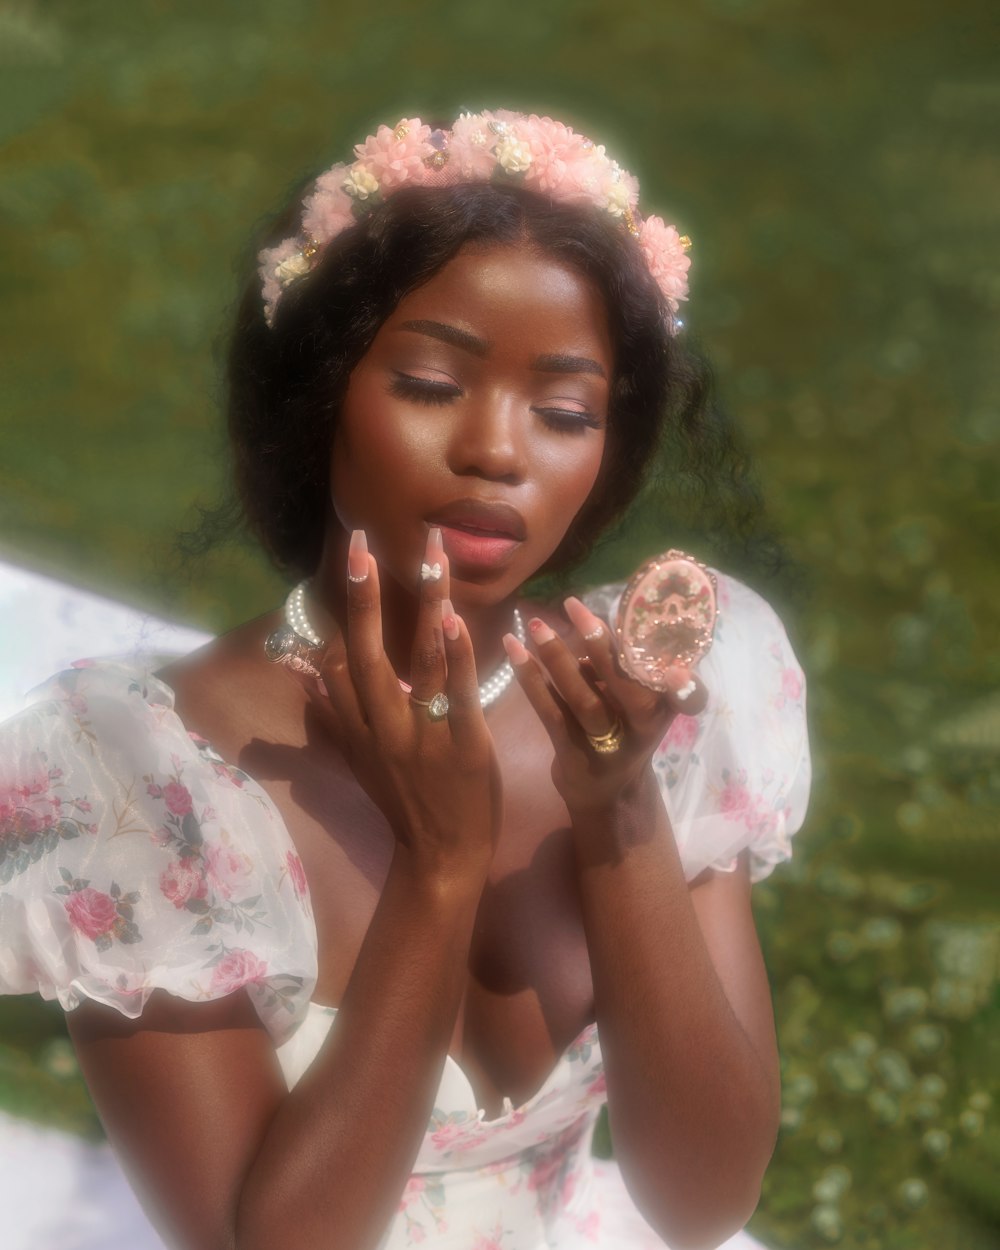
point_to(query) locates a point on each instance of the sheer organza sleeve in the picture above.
(736, 777)
(132, 858)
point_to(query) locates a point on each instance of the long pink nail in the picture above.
(434, 563)
(517, 653)
(589, 625)
(449, 621)
(540, 631)
(357, 557)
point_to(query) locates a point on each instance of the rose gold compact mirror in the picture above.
(666, 617)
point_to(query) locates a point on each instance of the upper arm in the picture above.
(721, 901)
(186, 1093)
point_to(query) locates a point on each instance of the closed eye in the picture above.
(438, 392)
(423, 390)
(569, 421)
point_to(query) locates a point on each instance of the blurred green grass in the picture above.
(837, 169)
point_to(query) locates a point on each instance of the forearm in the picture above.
(341, 1147)
(692, 1104)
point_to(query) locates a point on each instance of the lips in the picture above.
(486, 518)
(480, 534)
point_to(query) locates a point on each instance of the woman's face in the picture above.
(481, 407)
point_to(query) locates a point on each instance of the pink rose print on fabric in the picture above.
(445, 1136)
(34, 819)
(182, 881)
(27, 807)
(297, 874)
(791, 683)
(590, 1227)
(232, 775)
(91, 912)
(682, 733)
(102, 917)
(545, 1170)
(177, 798)
(237, 968)
(490, 1241)
(598, 1086)
(227, 869)
(738, 802)
(734, 800)
(411, 1192)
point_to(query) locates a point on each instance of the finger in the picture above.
(427, 659)
(372, 674)
(592, 710)
(532, 681)
(322, 712)
(636, 700)
(686, 692)
(465, 712)
(336, 679)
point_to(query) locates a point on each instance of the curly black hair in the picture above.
(286, 382)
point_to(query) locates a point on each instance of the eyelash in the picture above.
(436, 394)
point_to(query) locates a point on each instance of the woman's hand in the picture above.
(579, 701)
(436, 779)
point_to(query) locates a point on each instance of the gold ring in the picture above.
(437, 705)
(608, 744)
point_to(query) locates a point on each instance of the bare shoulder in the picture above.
(226, 691)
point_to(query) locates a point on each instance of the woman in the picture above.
(454, 379)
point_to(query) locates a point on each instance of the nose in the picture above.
(488, 440)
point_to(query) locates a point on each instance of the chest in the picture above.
(528, 991)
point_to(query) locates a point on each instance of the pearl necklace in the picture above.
(490, 690)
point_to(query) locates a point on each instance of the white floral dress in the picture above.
(133, 858)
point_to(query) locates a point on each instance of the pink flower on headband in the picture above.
(329, 209)
(565, 164)
(537, 153)
(470, 151)
(666, 255)
(395, 154)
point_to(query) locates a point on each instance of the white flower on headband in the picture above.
(618, 199)
(514, 157)
(360, 183)
(296, 266)
(543, 155)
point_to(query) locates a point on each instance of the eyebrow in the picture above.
(449, 334)
(480, 347)
(568, 364)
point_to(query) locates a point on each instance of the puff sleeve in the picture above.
(132, 858)
(736, 777)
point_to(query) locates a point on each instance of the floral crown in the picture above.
(507, 148)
